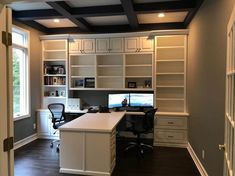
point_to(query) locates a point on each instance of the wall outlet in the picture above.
(203, 154)
(34, 126)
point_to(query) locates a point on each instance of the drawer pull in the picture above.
(170, 136)
(170, 123)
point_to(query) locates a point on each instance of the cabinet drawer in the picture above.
(174, 136)
(165, 122)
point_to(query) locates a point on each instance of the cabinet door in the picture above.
(116, 45)
(43, 124)
(88, 45)
(102, 45)
(131, 44)
(75, 46)
(145, 44)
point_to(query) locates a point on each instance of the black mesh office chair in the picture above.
(57, 118)
(141, 125)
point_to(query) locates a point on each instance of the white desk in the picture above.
(88, 144)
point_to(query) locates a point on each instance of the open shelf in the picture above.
(170, 74)
(54, 71)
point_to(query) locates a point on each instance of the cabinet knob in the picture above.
(222, 147)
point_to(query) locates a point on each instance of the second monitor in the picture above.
(130, 100)
(141, 100)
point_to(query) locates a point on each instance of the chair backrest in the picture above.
(57, 112)
(148, 122)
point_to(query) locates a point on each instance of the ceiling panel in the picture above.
(29, 6)
(51, 24)
(88, 3)
(169, 17)
(107, 20)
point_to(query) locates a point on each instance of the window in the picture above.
(20, 40)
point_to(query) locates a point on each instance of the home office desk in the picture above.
(88, 143)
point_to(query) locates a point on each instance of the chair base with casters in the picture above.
(141, 125)
(58, 145)
(139, 145)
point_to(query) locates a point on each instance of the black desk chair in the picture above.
(58, 119)
(141, 125)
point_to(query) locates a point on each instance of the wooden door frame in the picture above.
(6, 118)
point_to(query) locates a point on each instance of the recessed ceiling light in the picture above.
(161, 15)
(56, 20)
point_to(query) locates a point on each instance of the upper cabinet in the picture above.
(82, 46)
(138, 44)
(109, 45)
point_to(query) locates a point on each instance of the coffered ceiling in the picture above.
(102, 16)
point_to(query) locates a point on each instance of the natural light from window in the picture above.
(20, 73)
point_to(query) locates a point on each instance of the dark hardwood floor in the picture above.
(38, 159)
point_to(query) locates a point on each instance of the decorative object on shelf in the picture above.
(147, 83)
(90, 82)
(54, 69)
(131, 84)
(52, 94)
(55, 80)
(62, 93)
(79, 82)
(57, 93)
(57, 69)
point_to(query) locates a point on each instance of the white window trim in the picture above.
(27, 48)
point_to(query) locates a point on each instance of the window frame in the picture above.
(26, 48)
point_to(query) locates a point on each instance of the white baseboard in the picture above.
(25, 141)
(196, 160)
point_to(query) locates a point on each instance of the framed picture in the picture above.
(79, 83)
(90, 82)
(131, 84)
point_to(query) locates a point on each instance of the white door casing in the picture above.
(229, 142)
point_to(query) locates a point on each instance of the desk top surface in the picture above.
(94, 122)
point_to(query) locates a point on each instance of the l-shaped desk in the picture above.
(88, 143)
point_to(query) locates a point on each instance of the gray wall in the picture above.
(206, 82)
(24, 128)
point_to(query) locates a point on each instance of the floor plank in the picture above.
(38, 159)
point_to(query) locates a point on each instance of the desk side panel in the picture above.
(72, 150)
(98, 157)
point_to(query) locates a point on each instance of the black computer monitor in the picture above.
(116, 100)
(141, 99)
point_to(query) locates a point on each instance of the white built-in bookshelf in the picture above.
(171, 73)
(54, 77)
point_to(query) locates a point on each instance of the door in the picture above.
(229, 142)
(102, 45)
(116, 45)
(6, 120)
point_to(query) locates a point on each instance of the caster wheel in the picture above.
(51, 145)
(57, 149)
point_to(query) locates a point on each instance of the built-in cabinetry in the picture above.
(83, 46)
(44, 125)
(54, 72)
(171, 56)
(109, 45)
(125, 62)
(138, 44)
(110, 67)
